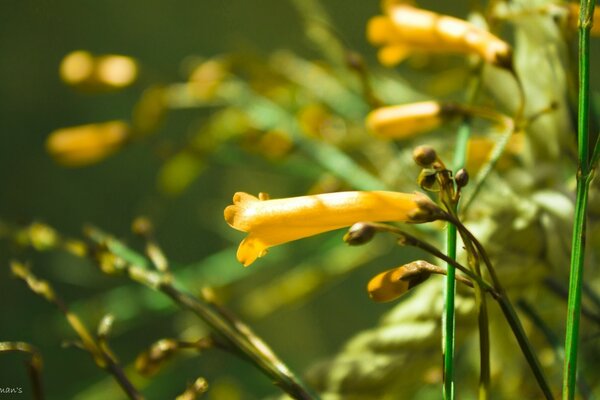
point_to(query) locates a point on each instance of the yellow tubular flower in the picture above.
(389, 285)
(405, 121)
(86, 144)
(83, 70)
(405, 28)
(273, 222)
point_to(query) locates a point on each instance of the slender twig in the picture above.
(34, 364)
(509, 312)
(103, 358)
(584, 176)
(406, 239)
(482, 316)
(229, 329)
(448, 317)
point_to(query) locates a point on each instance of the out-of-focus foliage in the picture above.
(204, 101)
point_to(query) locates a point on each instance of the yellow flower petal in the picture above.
(273, 222)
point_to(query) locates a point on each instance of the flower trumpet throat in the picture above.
(86, 144)
(405, 29)
(273, 222)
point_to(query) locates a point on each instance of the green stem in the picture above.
(482, 316)
(448, 320)
(510, 314)
(575, 289)
(484, 343)
(584, 175)
(448, 317)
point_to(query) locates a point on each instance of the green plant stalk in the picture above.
(510, 314)
(482, 316)
(448, 317)
(584, 174)
(575, 290)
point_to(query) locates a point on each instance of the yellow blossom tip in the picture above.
(232, 212)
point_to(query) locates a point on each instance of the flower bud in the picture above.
(461, 178)
(360, 233)
(151, 360)
(391, 284)
(427, 179)
(424, 156)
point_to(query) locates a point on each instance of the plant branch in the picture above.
(229, 328)
(509, 312)
(584, 177)
(103, 358)
(34, 364)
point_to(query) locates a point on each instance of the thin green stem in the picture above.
(509, 313)
(584, 174)
(484, 343)
(448, 317)
(482, 316)
(575, 290)
(448, 320)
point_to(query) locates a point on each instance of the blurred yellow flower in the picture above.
(273, 222)
(405, 121)
(86, 144)
(83, 70)
(405, 29)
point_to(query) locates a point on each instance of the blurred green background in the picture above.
(163, 37)
(34, 37)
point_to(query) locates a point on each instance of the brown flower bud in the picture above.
(427, 179)
(424, 156)
(360, 233)
(461, 178)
